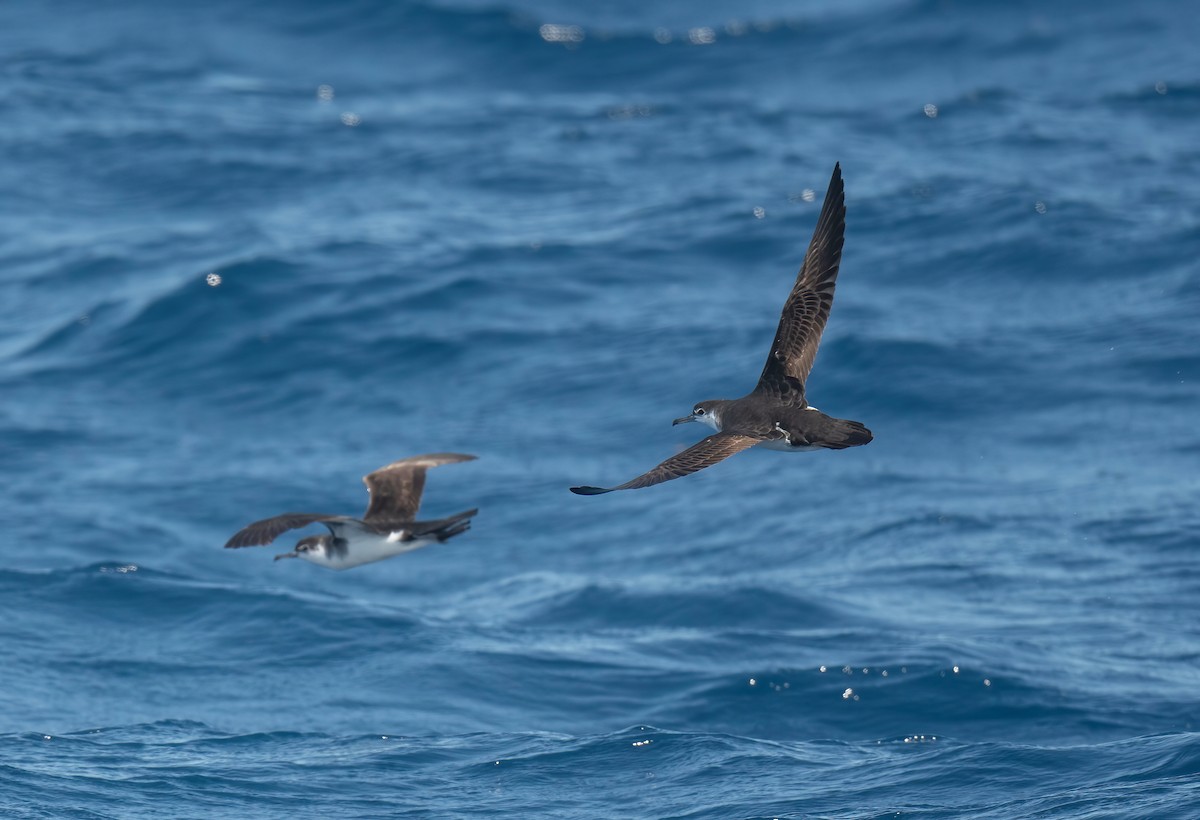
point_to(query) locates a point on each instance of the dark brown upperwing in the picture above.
(396, 489)
(807, 307)
(703, 453)
(264, 532)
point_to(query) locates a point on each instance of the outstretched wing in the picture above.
(703, 453)
(267, 530)
(396, 489)
(807, 307)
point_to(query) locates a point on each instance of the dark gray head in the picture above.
(313, 545)
(706, 412)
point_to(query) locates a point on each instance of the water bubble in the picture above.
(553, 33)
(753, 682)
(987, 682)
(759, 212)
(702, 36)
(822, 669)
(663, 35)
(1040, 207)
(351, 119)
(1160, 87)
(931, 110)
(847, 694)
(956, 670)
(324, 93)
(213, 279)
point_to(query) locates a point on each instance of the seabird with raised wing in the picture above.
(776, 414)
(389, 526)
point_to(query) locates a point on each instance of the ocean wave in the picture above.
(642, 765)
(254, 253)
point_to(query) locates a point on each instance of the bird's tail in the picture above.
(444, 528)
(846, 433)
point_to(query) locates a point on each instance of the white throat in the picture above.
(711, 419)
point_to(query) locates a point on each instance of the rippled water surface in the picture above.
(252, 252)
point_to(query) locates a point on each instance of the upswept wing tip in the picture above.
(590, 490)
(806, 311)
(704, 453)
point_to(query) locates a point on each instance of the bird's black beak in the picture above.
(287, 555)
(683, 420)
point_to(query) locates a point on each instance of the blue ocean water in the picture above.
(538, 231)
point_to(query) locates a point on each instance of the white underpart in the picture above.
(365, 548)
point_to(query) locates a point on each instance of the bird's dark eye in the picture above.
(699, 411)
